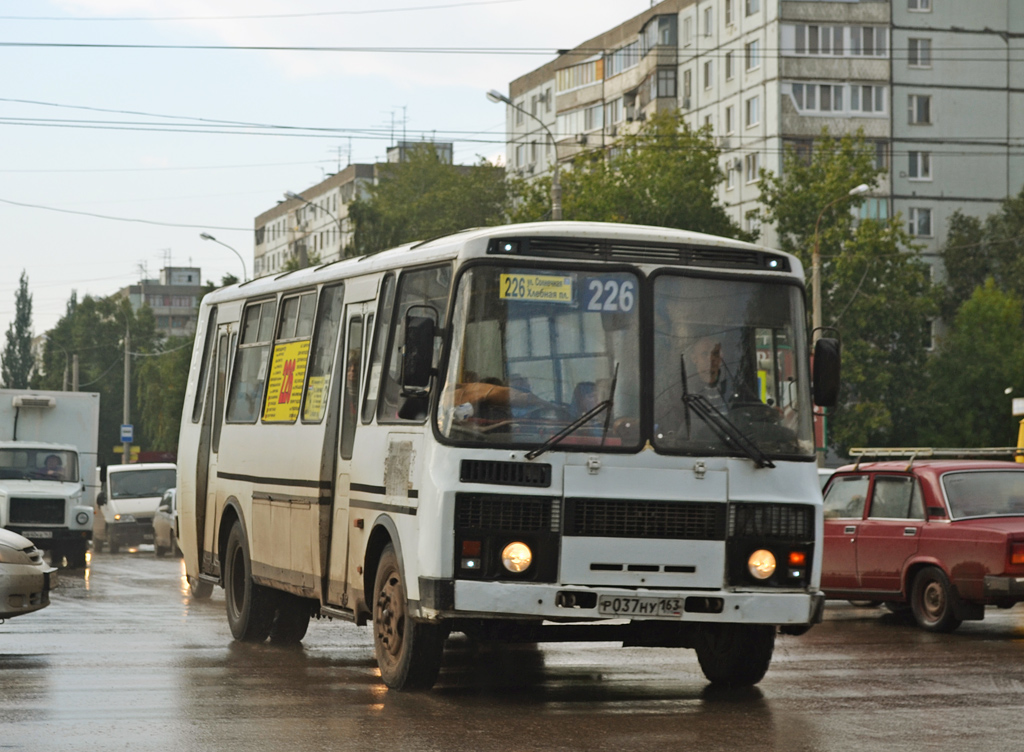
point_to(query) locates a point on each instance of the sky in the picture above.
(122, 139)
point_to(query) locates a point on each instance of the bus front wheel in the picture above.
(250, 606)
(735, 655)
(408, 652)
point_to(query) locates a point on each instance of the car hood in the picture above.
(13, 540)
(39, 488)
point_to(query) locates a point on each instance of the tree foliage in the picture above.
(665, 174)
(876, 292)
(94, 329)
(16, 368)
(980, 357)
(424, 197)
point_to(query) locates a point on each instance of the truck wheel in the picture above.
(250, 606)
(200, 589)
(933, 601)
(76, 555)
(161, 551)
(735, 655)
(408, 652)
(292, 619)
(114, 546)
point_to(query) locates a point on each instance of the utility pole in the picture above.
(127, 446)
(74, 373)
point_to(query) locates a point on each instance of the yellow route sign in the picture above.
(284, 387)
(536, 288)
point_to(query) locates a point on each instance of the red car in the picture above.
(945, 537)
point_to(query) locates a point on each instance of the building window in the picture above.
(752, 167)
(520, 159)
(687, 88)
(728, 12)
(753, 6)
(519, 114)
(919, 6)
(730, 175)
(753, 111)
(753, 221)
(663, 84)
(920, 225)
(687, 31)
(708, 28)
(919, 53)
(874, 208)
(920, 165)
(752, 55)
(869, 41)
(919, 109)
(730, 119)
(707, 123)
(881, 155)
(867, 99)
(729, 71)
(707, 74)
(547, 99)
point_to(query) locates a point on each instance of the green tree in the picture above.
(162, 378)
(978, 249)
(16, 369)
(94, 329)
(875, 291)
(980, 357)
(665, 174)
(424, 197)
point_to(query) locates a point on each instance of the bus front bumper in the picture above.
(564, 602)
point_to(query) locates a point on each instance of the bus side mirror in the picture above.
(103, 473)
(418, 354)
(101, 499)
(826, 372)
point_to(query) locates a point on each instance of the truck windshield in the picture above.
(134, 484)
(737, 348)
(535, 349)
(38, 463)
(984, 493)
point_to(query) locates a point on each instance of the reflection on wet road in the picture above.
(124, 658)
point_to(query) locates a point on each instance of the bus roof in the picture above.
(474, 243)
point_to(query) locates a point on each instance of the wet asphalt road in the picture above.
(125, 659)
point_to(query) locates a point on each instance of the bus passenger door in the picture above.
(206, 493)
(358, 327)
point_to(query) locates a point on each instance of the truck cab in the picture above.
(127, 502)
(43, 497)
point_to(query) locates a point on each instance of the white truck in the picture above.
(48, 443)
(127, 502)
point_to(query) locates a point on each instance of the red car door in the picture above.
(890, 534)
(844, 513)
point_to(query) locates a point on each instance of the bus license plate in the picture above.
(38, 534)
(650, 608)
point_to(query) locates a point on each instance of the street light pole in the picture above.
(556, 184)
(341, 229)
(208, 236)
(816, 262)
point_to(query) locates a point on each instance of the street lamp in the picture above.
(341, 230)
(816, 261)
(556, 185)
(208, 236)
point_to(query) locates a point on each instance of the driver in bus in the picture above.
(710, 380)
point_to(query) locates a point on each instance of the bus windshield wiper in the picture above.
(593, 412)
(725, 428)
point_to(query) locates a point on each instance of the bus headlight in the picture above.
(516, 557)
(761, 564)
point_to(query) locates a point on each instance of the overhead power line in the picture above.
(121, 219)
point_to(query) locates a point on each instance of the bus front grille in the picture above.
(632, 518)
(777, 522)
(28, 511)
(505, 512)
(537, 475)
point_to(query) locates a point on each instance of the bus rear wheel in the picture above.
(735, 655)
(408, 652)
(250, 606)
(292, 619)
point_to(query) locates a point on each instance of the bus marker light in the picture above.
(797, 558)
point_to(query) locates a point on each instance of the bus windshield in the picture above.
(535, 349)
(732, 349)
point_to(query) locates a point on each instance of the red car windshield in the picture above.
(984, 493)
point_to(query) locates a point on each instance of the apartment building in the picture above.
(173, 297)
(932, 83)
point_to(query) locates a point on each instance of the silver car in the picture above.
(165, 525)
(25, 578)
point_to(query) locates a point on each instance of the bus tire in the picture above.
(200, 589)
(250, 606)
(408, 652)
(735, 655)
(292, 619)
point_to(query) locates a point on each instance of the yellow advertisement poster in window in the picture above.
(284, 388)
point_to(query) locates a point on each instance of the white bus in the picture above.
(538, 432)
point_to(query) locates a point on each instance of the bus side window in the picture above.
(251, 360)
(387, 304)
(222, 375)
(420, 287)
(350, 397)
(321, 357)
